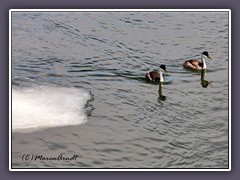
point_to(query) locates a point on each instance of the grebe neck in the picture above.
(203, 57)
(161, 76)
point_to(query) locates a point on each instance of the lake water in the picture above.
(78, 88)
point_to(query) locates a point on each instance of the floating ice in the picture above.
(44, 107)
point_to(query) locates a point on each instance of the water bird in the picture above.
(156, 76)
(197, 65)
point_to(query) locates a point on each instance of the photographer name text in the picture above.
(37, 157)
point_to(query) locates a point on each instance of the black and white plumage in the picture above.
(197, 65)
(156, 76)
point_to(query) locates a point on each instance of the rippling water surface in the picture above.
(79, 89)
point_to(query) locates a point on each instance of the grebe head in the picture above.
(163, 67)
(205, 54)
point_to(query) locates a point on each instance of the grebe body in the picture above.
(155, 76)
(197, 65)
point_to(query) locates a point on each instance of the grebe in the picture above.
(197, 65)
(155, 76)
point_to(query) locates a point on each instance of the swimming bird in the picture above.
(197, 65)
(155, 76)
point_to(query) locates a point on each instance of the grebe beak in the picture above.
(209, 57)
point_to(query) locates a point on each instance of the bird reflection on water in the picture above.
(204, 82)
(161, 97)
